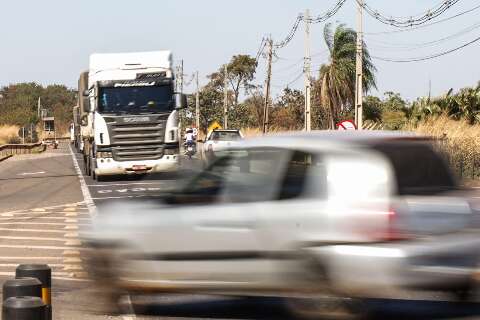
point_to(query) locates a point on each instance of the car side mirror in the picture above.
(86, 93)
(180, 101)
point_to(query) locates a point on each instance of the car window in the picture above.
(225, 135)
(418, 168)
(255, 175)
(241, 176)
(304, 177)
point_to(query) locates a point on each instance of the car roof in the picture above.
(332, 139)
(226, 130)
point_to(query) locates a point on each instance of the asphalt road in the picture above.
(42, 208)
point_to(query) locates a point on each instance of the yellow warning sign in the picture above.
(214, 126)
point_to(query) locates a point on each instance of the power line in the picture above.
(330, 13)
(290, 82)
(263, 44)
(425, 25)
(291, 34)
(320, 18)
(411, 21)
(428, 57)
(411, 47)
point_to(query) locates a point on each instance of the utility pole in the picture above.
(225, 98)
(359, 73)
(267, 85)
(307, 71)
(39, 107)
(197, 106)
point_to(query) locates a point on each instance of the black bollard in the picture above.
(43, 273)
(24, 308)
(22, 287)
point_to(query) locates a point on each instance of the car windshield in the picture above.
(225, 136)
(153, 99)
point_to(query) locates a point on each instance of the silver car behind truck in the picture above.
(363, 214)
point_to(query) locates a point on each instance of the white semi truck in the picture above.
(129, 114)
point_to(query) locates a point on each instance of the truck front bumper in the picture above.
(109, 167)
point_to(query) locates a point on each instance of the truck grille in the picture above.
(137, 141)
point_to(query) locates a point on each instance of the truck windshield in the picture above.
(131, 100)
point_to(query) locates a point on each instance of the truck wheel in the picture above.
(87, 165)
(92, 167)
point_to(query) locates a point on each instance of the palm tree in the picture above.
(337, 78)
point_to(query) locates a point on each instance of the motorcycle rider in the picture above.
(190, 139)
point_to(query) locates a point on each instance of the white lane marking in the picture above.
(73, 243)
(40, 223)
(44, 209)
(129, 304)
(28, 247)
(43, 218)
(49, 213)
(33, 238)
(124, 197)
(32, 230)
(30, 258)
(71, 253)
(54, 273)
(14, 265)
(83, 185)
(71, 235)
(130, 184)
(72, 260)
(73, 268)
(30, 173)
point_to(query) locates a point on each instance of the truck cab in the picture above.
(130, 121)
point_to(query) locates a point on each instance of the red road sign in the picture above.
(346, 125)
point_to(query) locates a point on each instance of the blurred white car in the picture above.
(347, 214)
(218, 141)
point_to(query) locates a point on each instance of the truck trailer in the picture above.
(129, 114)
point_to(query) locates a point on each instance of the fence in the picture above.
(464, 159)
(8, 150)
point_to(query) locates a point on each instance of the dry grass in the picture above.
(8, 134)
(460, 140)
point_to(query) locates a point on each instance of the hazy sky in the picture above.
(49, 41)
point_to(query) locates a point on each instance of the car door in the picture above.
(216, 242)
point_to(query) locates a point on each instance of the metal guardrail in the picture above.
(8, 150)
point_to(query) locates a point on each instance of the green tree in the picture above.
(241, 73)
(337, 78)
(372, 108)
(289, 111)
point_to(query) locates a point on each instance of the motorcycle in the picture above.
(190, 149)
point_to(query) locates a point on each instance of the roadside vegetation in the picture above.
(19, 107)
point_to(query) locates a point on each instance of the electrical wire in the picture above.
(330, 13)
(263, 44)
(425, 25)
(318, 19)
(430, 57)
(290, 82)
(411, 47)
(412, 21)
